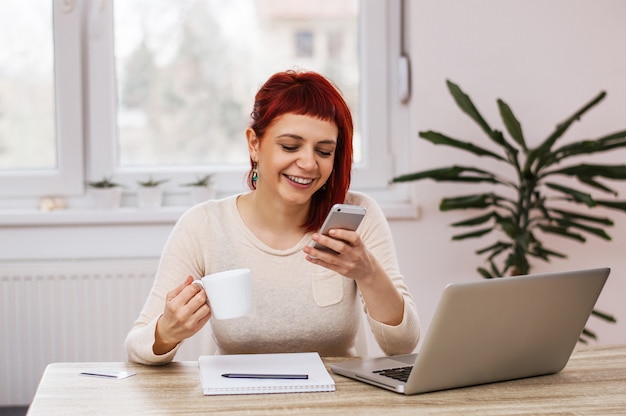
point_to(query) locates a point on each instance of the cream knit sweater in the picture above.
(297, 306)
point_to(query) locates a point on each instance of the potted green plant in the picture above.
(202, 189)
(106, 193)
(150, 193)
(536, 202)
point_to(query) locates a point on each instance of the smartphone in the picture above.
(347, 217)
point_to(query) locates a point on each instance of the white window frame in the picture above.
(68, 177)
(385, 114)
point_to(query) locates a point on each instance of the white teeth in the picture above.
(301, 181)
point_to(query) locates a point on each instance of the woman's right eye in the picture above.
(289, 148)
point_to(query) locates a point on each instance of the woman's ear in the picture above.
(253, 144)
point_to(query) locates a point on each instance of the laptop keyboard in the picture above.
(399, 373)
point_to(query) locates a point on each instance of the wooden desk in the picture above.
(593, 382)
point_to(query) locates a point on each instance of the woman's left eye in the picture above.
(324, 153)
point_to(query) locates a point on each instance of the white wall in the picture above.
(545, 58)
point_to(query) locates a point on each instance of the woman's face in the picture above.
(295, 157)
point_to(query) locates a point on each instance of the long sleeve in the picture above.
(297, 306)
(175, 265)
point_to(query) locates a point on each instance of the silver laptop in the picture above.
(491, 330)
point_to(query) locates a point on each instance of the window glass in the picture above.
(304, 44)
(27, 107)
(187, 71)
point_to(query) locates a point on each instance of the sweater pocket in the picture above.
(327, 288)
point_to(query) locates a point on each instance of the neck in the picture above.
(277, 224)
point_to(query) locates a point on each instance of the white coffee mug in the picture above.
(229, 293)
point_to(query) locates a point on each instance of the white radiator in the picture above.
(68, 310)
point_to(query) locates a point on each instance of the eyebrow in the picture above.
(297, 137)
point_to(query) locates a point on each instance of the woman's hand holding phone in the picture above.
(341, 216)
(338, 247)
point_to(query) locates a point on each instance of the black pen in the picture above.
(270, 376)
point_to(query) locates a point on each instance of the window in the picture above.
(187, 71)
(40, 99)
(335, 45)
(304, 44)
(168, 87)
(27, 88)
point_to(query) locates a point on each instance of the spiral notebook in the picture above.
(236, 374)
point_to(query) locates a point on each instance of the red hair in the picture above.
(309, 93)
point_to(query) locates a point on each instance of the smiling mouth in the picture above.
(298, 180)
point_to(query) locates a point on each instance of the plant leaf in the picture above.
(620, 205)
(591, 230)
(451, 174)
(493, 274)
(595, 184)
(471, 201)
(542, 152)
(474, 221)
(543, 253)
(509, 226)
(589, 334)
(200, 181)
(496, 249)
(438, 138)
(495, 271)
(604, 316)
(576, 195)
(467, 106)
(473, 234)
(511, 123)
(588, 147)
(561, 231)
(587, 170)
(484, 273)
(570, 215)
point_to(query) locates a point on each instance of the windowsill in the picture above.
(34, 217)
(18, 217)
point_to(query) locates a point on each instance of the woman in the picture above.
(300, 145)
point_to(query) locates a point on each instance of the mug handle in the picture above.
(199, 283)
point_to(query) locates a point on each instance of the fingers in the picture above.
(198, 303)
(339, 241)
(202, 315)
(347, 236)
(350, 257)
(193, 300)
(176, 291)
(186, 310)
(186, 292)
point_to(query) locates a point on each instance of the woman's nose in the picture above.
(307, 160)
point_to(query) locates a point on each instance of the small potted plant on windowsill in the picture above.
(202, 189)
(106, 193)
(150, 193)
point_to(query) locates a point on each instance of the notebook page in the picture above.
(213, 366)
